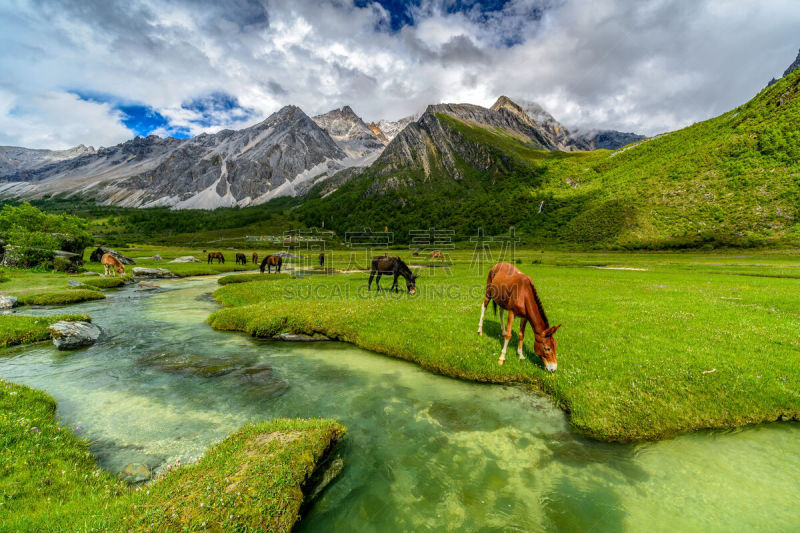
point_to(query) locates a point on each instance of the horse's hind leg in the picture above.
(378, 281)
(522, 322)
(501, 323)
(507, 335)
(369, 283)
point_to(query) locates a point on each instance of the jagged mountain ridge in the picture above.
(278, 156)
(727, 181)
(286, 154)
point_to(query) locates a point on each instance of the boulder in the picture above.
(73, 283)
(289, 255)
(157, 258)
(142, 272)
(90, 274)
(8, 302)
(70, 335)
(186, 259)
(136, 473)
(101, 250)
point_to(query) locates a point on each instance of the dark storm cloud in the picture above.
(646, 66)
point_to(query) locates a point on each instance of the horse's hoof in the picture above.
(500, 362)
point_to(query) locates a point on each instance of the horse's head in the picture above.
(545, 347)
(411, 285)
(120, 268)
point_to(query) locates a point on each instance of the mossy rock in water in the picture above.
(261, 380)
(187, 365)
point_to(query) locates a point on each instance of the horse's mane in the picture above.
(539, 305)
(403, 267)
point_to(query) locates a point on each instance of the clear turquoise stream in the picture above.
(423, 452)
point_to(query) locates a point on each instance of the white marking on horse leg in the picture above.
(503, 353)
(480, 323)
(519, 352)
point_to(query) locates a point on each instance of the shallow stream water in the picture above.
(423, 452)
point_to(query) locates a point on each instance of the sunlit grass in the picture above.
(686, 343)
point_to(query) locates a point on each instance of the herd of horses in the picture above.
(269, 261)
(506, 287)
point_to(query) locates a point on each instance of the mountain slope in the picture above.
(15, 159)
(731, 180)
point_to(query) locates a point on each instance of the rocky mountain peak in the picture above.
(350, 132)
(794, 66)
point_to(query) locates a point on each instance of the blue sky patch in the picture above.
(214, 109)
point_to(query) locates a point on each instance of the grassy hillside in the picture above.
(733, 180)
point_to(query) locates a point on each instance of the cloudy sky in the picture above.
(101, 71)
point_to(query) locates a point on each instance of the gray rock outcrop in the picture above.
(70, 335)
(8, 302)
(142, 272)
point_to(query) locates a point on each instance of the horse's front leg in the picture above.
(483, 310)
(394, 283)
(507, 335)
(522, 322)
(369, 283)
(378, 281)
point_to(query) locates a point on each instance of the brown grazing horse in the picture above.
(241, 258)
(392, 265)
(216, 255)
(111, 264)
(513, 291)
(436, 254)
(255, 258)
(321, 260)
(270, 261)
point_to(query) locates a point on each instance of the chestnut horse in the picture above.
(436, 254)
(216, 255)
(110, 264)
(513, 291)
(255, 258)
(392, 265)
(241, 258)
(270, 261)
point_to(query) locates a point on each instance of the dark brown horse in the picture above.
(513, 291)
(216, 255)
(255, 258)
(270, 261)
(241, 258)
(321, 260)
(395, 266)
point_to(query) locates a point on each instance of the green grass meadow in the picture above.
(684, 342)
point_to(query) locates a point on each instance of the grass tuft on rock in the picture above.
(251, 481)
